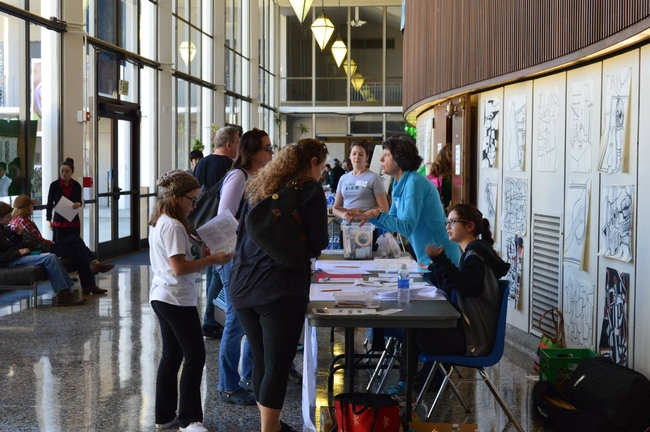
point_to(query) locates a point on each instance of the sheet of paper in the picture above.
(419, 293)
(220, 232)
(64, 208)
(326, 291)
(395, 264)
(336, 265)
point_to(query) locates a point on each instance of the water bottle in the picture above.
(403, 293)
(455, 428)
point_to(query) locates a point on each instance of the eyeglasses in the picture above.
(452, 222)
(192, 200)
(268, 149)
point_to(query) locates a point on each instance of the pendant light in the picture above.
(357, 81)
(322, 28)
(353, 68)
(301, 8)
(339, 50)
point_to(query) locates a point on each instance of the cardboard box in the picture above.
(441, 427)
(328, 418)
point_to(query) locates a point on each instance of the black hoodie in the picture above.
(477, 292)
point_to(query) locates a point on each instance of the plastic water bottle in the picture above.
(403, 292)
(455, 428)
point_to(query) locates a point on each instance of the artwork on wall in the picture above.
(575, 222)
(515, 205)
(616, 103)
(616, 209)
(514, 254)
(613, 337)
(549, 115)
(488, 205)
(578, 312)
(516, 133)
(579, 124)
(491, 110)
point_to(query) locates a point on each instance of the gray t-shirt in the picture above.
(359, 191)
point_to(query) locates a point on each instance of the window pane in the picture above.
(107, 74)
(148, 37)
(185, 49)
(148, 130)
(129, 25)
(296, 90)
(44, 8)
(298, 49)
(182, 122)
(195, 12)
(394, 52)
(195, 64)
(195, 116)
(106, 21)
(182, 9)
(130, 73)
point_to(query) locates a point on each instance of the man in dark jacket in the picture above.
(335, 174)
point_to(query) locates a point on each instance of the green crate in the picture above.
(557, 364)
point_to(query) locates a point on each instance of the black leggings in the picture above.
(273, 332)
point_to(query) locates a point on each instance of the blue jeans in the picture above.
(56, 273)
(213, 287)
(230, 350)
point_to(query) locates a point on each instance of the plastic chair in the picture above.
(479, 363)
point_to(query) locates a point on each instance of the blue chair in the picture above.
(479, 363)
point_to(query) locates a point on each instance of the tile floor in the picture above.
(93, 368)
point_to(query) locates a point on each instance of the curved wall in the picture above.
(452, 47)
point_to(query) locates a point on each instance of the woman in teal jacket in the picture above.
(416, 211)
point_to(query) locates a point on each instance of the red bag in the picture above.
(363, 412)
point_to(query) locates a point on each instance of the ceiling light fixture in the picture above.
(339, 50)
(301, 8)
(322, 28)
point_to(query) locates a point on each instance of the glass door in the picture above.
(118, 191)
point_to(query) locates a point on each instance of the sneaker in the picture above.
(246, 385)
(194, 427)
(238, 397)
(65, 298)
(168, 424)
(212, 332)
(397, 390)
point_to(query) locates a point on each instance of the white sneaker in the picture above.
(168, 424)
(194, 427)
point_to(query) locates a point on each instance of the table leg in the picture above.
(349, 357)
(411, 366)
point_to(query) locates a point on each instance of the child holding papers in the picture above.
(65, 187)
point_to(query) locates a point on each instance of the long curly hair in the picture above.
(292, 163)
(441, 166)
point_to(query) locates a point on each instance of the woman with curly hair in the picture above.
(440, 174)
(269, 298)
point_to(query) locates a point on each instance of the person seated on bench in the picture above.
(72, 246)
(12, 254)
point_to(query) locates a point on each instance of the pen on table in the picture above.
(331, 290)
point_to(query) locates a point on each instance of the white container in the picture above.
(357, 241)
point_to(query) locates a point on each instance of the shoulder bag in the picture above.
(207, 204)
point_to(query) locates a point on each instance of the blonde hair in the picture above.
(173, 184)
(25, 212)
(292, 163)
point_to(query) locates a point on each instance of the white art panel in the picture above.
(580, 119)
(616, 210)
(516, 123)
(576, 218)
(616, 105)
(578, 311)
(548, 140)
(515, 205)
(488, 205)
(513, 251)
(490, 134)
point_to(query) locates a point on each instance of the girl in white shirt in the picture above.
(176, 262)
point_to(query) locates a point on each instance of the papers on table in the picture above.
(64, 208)
(388, 292)
(350, 311)
(424, 293)
(365, 266)
(220, 232)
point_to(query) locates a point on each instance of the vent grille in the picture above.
(546, 261)
(372, 43)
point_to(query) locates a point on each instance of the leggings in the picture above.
(273, 332)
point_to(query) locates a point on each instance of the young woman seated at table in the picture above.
(471, 288)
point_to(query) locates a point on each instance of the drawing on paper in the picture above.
(616, 210)
(516, 133)
(490, 132)
(579, 123)
(616, 102)
(488, 205)
(514, 254)
(613, 336)
(575, 222)
(578, 312)
(548, 114)
(515, 205)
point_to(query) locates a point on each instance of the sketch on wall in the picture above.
(516, 133)
(515, 205)
(491, 110)
(514, 254)
(613, 336)
(579, 122)
(578, 312)
(548, 113)
(616, 103)
(488, 205)
(575, 222)
(616, 209)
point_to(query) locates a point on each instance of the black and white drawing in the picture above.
(613, 335)
(578, 312)
(515, 205)
(549, 115)
(488, 204)
(616, 103)
(490, 138)
(575, 222)
(616, 209)
(516, 133)
(579, 123)
(513, 254)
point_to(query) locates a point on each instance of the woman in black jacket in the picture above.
(65, 186)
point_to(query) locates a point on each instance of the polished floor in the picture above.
(93, 368)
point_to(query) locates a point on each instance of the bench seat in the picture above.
(29, 276)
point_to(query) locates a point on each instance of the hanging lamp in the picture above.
(357, 81)
(339, 50)
(353, 68)
(301, 8)
(322, 28)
